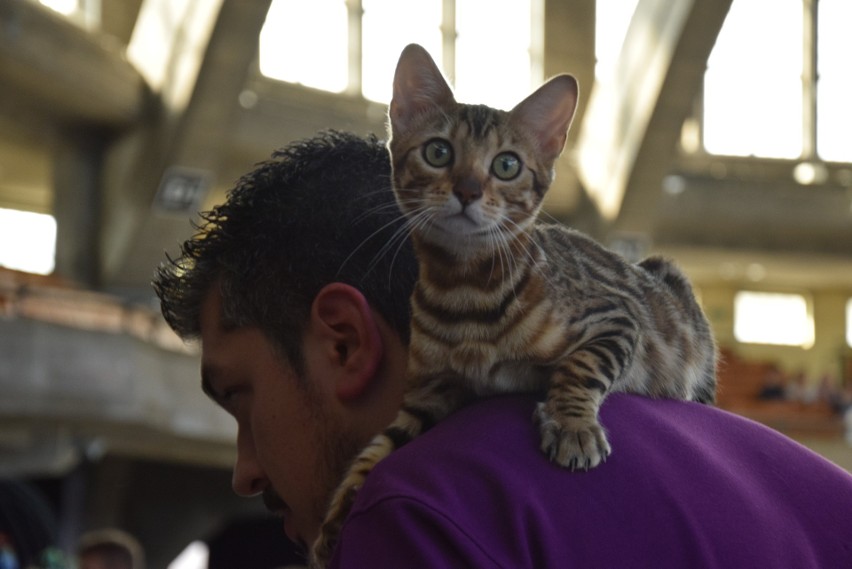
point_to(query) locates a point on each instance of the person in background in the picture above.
(28, 528)
(109, 549)
(298, 289)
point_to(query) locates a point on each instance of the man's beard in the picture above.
(337, 448)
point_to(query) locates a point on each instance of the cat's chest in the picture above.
(497, 347)
(489, 371)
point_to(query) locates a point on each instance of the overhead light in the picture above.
(674, 185)
(755, 272)
(810, 173)
(248, 99)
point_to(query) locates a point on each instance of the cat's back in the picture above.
(576, 260)
(578, 256)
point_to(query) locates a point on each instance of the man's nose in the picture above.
(248, 479)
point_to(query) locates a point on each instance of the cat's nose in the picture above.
(468, 190)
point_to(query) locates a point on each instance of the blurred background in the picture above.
(713, 131)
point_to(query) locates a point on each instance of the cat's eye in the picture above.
(506, 166)
(438, 153)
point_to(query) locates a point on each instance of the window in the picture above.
(763, 95)
(27, 241)
(834, 119)
(383, 38)
(753, 84)
(483, 46)
(85, 13)
(773, 318)
(306, 42)
(849, 323)
(612, 18)
(493, 64)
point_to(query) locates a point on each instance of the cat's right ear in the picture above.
(418, 88)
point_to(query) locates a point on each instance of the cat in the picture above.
(504, 303)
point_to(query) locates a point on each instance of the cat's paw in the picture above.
(572, 442)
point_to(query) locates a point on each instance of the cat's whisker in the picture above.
(397, 241)
(533, 264)
(366, 240)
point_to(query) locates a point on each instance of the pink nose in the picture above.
(468, 190)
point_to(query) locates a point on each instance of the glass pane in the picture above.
(307, 43)
(834, 90)
(849, 323)
(753, 83)
(64, 7)
(387, 27)
(612, 18)
(27, 241)
(84, 13)
(493, 52)
(771, 318)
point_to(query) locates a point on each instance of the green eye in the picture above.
(506, 166)
(438, 153)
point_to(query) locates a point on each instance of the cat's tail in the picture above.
(427, 401)
(666, 271)
(706, 352)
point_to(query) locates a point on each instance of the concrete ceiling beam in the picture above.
(199, 80)
(50, 65)
(633, 121)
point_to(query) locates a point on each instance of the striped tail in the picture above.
(432, 399)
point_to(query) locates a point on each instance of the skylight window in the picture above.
(753, 83)
(306, 43)
(483, 46)
(27, 241)
(834, 118)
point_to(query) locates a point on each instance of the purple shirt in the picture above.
(687, 485)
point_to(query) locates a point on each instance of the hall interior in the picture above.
(121, 119)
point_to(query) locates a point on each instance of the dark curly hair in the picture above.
(320, 211)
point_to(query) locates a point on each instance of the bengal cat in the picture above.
(504, 304)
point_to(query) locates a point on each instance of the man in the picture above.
(297, 287)
(109, 549)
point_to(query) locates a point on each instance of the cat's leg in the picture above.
(571, 434)
(430, 401)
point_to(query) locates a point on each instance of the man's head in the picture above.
(320, 211)
(109, 549)
(298, 288)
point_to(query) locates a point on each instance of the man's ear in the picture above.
(349, 336)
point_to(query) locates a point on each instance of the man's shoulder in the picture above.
(498, 439)
(479, 482)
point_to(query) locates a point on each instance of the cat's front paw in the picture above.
(572, 442)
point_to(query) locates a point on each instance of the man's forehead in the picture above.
(210, 313)
(213, 333)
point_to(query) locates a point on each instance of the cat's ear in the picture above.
(548, 112)
(418, 87)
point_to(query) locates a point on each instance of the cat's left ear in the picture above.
(548, 112)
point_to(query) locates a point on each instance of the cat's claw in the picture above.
(573, 443)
